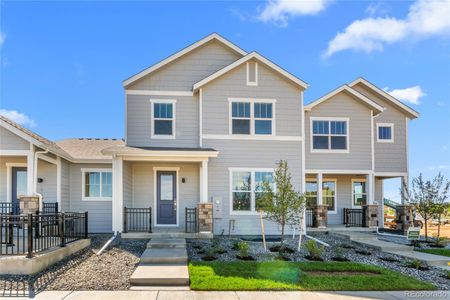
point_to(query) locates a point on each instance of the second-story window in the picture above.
(163, 118)
(385, 133)
(263, 118)
(329, 135)
(240, 117)
(252, 117)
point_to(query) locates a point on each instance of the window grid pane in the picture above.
(329, 135)
(384, 133)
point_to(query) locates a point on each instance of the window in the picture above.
(329, 194)
(329, 135)
(252, 117)
(385, 133)
(163, 118)
(359, 193)
(311, 193)
(97, 184)
(248, 188)
(252, 73)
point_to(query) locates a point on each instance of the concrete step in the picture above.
(164, 256)
(167, 243)
(146, 235)
(160, 275)
(160, 288)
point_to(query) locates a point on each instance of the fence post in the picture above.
(30, 236)
(150, 220)
(36, 227)
(125, 225)
(62, 230)
(86, 224)
(56, 208)
(10, 231)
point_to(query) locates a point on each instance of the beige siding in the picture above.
(359, 127)
(10, 141)
(139, 127)
(47, 188)
(271, 85)
(3, 171)
(65, 185)
(182, 73)
(389, 157)
(127, 184)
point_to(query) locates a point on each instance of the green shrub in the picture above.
(243, 249)
(314, 251)
(440, 242)
(447, 274)
(416, 264)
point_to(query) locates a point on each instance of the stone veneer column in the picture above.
(29, 204)
(205, 217)
(320, 216)
(371, 215)
(404, 217)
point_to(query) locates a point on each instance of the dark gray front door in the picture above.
(19, 186)
(166, 197)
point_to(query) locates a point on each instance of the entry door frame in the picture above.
(155, 195)
(9, 167)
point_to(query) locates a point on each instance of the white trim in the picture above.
(372, 143)
(353, 194)
(155, 204)
(200, 117)
(126, 119)
(49, 159)
(204, 182)
(252, 192)
(385, 95)
(319, 181)
(320, 190)
(244, 59)
(173, 119)
(99, 170)
(9, 166)
(391, 125)
(31, 180)
(181, 53)
(117, 194)
(390, 174)
(329, 135)
(252, 137)
(14, 152)
(350, 90)
(252, 83)
(160, 93)
(339, 171)
(58, 181)
(406, 145)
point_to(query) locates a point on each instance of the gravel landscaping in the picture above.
(83, 270)
(351, 251)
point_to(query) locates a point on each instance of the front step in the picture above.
(160, 275)
(164, 256)
(166, 243)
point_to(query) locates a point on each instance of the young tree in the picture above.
(440, 194)
(427, 197)
(284, 205)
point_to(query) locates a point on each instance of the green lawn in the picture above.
(443, 252)
(281, 275)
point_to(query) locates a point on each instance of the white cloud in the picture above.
(425, 18)
(377, 8)
(440, 167)
(279, 11)
(410, 95)
(2, 38)
(18, 117)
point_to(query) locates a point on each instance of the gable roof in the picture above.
(397, 103)
(345, 88)
(213, 36)
(252, 55)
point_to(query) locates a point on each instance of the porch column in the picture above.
(30, 171)
(319, 189)
(117, 194)
(404, 188)
(370, 189)
(204, 182)
(58, 182)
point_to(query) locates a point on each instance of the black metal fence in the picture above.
(309, 218)
(34, 233)
(50, 208)
(8, 208)
(191, 220)
(137, 219)
(354, 217)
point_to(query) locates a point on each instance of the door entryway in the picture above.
(166, 198)
(19, 186)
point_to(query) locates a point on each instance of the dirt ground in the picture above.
(432, 230)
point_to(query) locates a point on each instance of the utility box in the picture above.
(217, 207)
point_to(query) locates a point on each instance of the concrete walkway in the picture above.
(187, 295)
(372, 241)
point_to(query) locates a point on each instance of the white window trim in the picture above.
(252, 83)
(252, 118)
(152, 120)
(83, 186)
(252, 210)
(347, 120)
(391, 125)
(155, 183)
(353, 191)
(326, 179)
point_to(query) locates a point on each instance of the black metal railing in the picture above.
(50, 208)
(309, 218)
(354, 217)
(191, 220)
(137, 219)
(7, 208)
(34, 233)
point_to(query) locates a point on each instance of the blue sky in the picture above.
(62, 64)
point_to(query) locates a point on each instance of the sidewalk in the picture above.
(186, 295)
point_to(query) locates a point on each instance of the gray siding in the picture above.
(359, 157)
(270, 86)
(65, 185)
(139, 127)
(100, 212)
(127, 184)
(10, 141)
(3, 180)
(182, 73)
(389, 157)
(47, 188)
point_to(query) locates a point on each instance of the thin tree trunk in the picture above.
(439, 227)
(426, 227)
(282, 233)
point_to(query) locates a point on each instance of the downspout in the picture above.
(36, 157)
(107, 243)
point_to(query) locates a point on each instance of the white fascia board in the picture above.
(181, 53)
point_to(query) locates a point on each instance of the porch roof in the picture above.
(161, 152)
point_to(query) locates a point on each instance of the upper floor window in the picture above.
(252, 73)
(252, 117)
(385, 132)
(329, 135)
(97, 184)
(163, 118)
(359, 194)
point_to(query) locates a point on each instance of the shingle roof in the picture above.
(88, 148)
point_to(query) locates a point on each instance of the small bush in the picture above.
(339, 254)
(314, 251)
(416, 264)
(243, 249)
(440, 242)
(210, 254)
(447, 274)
